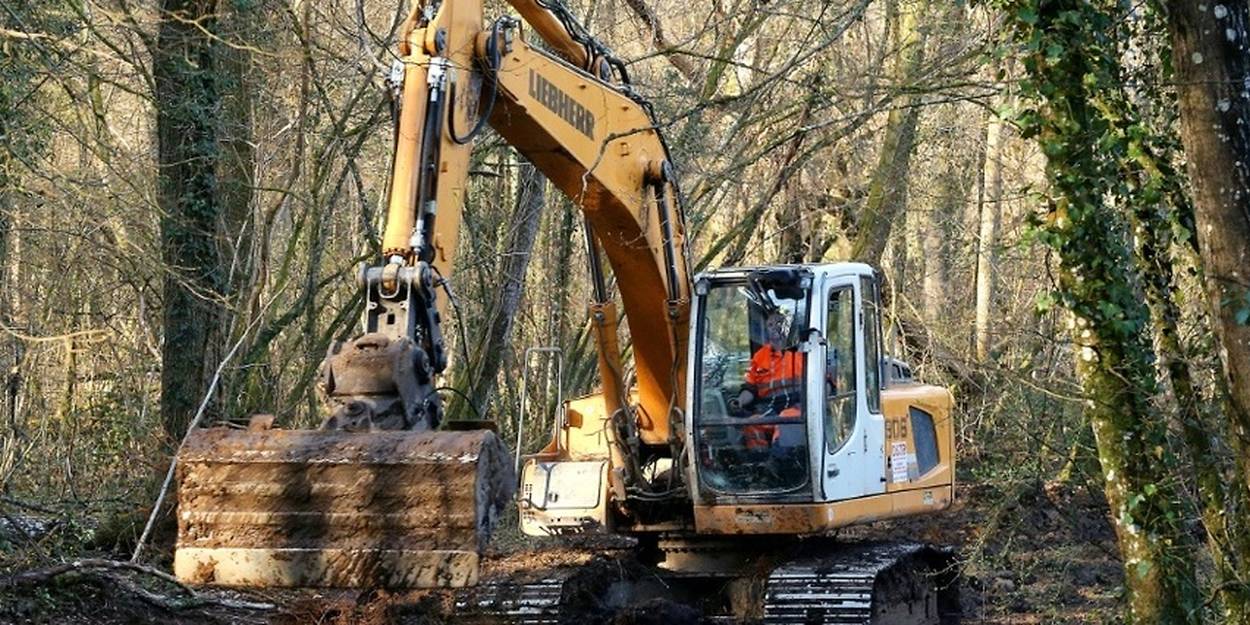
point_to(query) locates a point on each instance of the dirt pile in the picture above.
(1035, 553)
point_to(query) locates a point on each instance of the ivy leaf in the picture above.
(1028, 15)
(1072, 17)
(1044, 302)
(1109, 310)
(1181, 233)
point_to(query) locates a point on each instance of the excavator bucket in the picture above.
(298, 508)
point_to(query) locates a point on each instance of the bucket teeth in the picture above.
(340, 509)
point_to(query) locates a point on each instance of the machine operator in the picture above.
(774, 387)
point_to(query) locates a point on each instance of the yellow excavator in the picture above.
(762, 413)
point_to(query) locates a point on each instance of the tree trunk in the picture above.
(26, 134)
(1209, 50)
(9, 241)
(934, 286)
(1073, 79)
(660, 42)
(558, 332)
(938, 230)
(990, 213)
(792, 218)
(237, 181)
(479, 384)
(186, 121)
(739, 238)
(887, 192)
(69, 383)
(1227, 541)
(1115, 367)
(237, 165)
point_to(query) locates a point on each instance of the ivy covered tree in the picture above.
(1079, 116)
(26, 54)
(187, 107)
(28, 32)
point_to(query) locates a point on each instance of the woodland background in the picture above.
(190, 182)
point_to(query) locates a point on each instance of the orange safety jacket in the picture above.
(772, 371)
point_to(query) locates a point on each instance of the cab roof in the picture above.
(839, 268)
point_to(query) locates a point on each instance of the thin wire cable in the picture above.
(465, 398)
(455, 310)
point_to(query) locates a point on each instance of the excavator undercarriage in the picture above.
(814, 581)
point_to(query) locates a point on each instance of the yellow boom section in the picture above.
(601, 149)
(599, 146)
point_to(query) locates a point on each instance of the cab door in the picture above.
(846, 391)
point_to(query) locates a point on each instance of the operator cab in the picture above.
(785, 385)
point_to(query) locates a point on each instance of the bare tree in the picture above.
(487, 355)
(1209, 49)
(990, 210)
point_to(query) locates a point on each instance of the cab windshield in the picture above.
(750, 435)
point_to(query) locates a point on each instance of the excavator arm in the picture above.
(379, 495)
(593, 138)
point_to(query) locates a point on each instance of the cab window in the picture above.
(749, 417)
(872, 351)
(839, 401)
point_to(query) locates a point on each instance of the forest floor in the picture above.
(1034, 554)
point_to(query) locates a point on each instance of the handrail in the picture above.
(525, 371)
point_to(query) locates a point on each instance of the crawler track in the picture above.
(869, 584)
(532, 603)
(880, 584)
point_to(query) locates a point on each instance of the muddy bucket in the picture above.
(300, 508)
